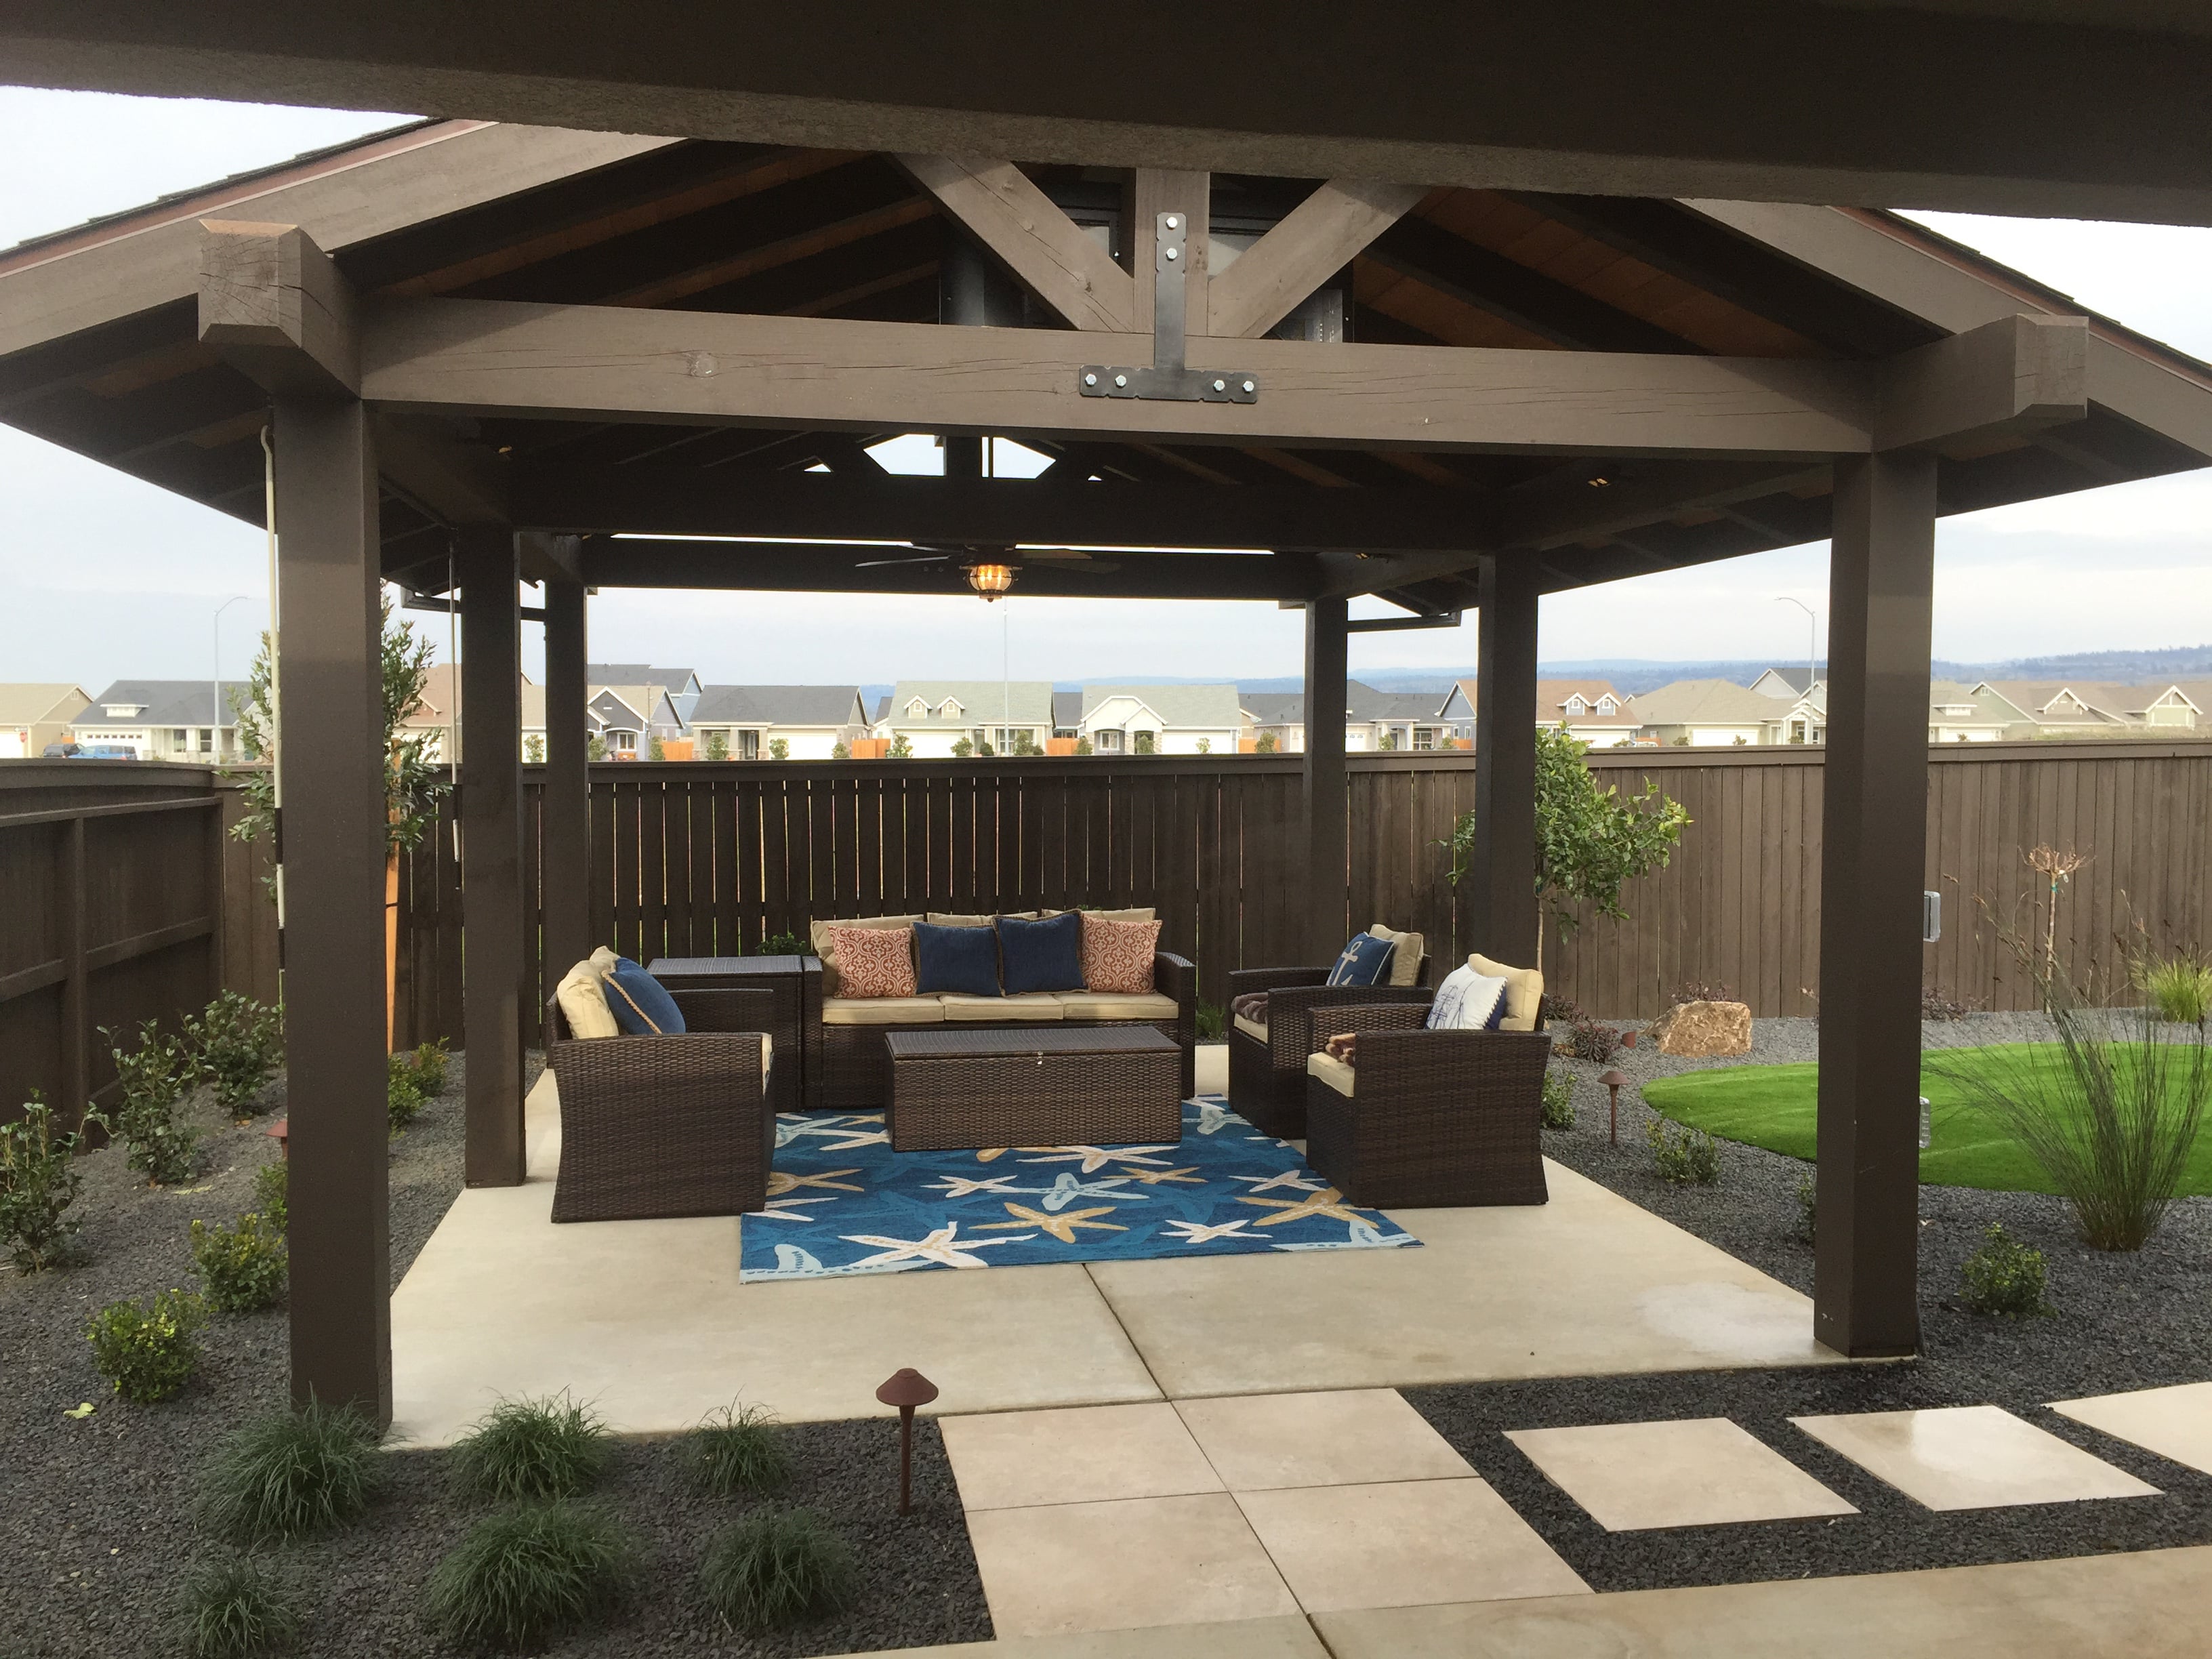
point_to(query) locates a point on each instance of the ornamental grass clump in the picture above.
(1558, 1107)
(2005, 1278)
(241, 1268)
(776, 1569)
(235, 1048)
(2179, 986)
(527, 1574)
(39, 1182)
(532, 1448)
(1692, 1158)
(741, 1450)
(146, 1350)
(289, 1473)
(233, 1609)
(153, 1079)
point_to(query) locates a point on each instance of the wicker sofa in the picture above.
(1267, 1063)
(655, 1127)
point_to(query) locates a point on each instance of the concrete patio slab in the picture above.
(1700, 1472)
(1122, 1565)
(2175, 1422)
(1971, 1458)
(1016, 1460)
(1588, 1284)
(1287, 1636)
(1402, 1543)
(1354, 1437)
(2104, 1606)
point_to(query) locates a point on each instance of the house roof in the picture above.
(1024, 703)
(1705, 703)
(163, 702)
(1552, 702)
(2054, 702)
(1273, 708)
(778, 705)
(439, 700)
(1185, 708)
(1978, 706)
(638, 674)
(30, 704)
(1066, 710)
(1795, 679)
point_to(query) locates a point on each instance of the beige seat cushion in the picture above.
(1143, 914)
(1524, 991)
(943, 919)
(584, 1003)
(1332, 1071)
(882, 1011)
(1252, 1028)
(1406, 960)
(767, 1056)
(1108, 1005)
(981, 1011)
(819, 932)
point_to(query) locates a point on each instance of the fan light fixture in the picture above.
(990, 580)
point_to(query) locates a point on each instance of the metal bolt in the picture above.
(1120, 379)
(1221, 385)
(1248, 385)
(1172, 253)
(1091, 379)
(1172, 222)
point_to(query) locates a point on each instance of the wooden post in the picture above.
(1327, 878)
(77, 1002)
(565, 809)
(1500, 884)
(1874, 843)
(494, 967)
(332, 839)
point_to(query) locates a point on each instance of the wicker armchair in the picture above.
(1267, 1080)
(657, 1127)
(1437, 1119)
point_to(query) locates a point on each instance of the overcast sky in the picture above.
(105, 577)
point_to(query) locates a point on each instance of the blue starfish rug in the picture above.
(842, 1201)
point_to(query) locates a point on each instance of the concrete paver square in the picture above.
(1699, 1472)
(1348, 1437)
(2175, 1422)
(1402, 1544)
(1123, 1565)
(1079, 1454)
(1971, 1458)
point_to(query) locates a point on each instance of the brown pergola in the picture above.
(486, 352)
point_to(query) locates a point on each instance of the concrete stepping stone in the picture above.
(1701, 1471)
(2174, 1422)
(1349, 1436)
(1075, 1455)
(1971, 1458)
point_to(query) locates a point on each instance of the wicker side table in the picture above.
(1103, 1087)
(785, 976)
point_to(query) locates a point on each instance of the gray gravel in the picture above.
(96, 1525)
(2123, 1322)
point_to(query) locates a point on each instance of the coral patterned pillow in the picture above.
(1117, 956)
(874, 962)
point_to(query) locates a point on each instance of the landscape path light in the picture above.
(1613, 1080)
(906, 1388)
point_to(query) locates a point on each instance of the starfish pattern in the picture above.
(789, 1209)
(1095, 1158)
(1198, 1233)
(939, 1246)
(783, 1181)
(1327, 1202)
(1061, 1226)
(1294, 1179)
(836, 1134)
(1212, 1118)
(967, 1186)
(1065, 1190)
(1188, 1177)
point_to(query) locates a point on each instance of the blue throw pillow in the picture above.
(959, 959)
(641, 1005)
(1041, 956)
(1365, 960)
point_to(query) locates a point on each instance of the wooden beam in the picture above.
(450, 480)
(275, 306)
(1316, 239)
(1562, 510)
(1155, 190)
(783, 250)
(1054, 257)
(2018, 374)
(1324, 872)
(699, 368)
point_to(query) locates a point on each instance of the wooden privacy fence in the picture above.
(693, 859)
(122, 898)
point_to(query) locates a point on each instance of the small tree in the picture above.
(1266, 744)
(655, 748)
(839, 750)
(595, 747)
(1590, 839)
(1205, 745)
(1082, 746)
(963, 746)
(1026, 742)
(718, 745)
(900, 749)
(1146, 742)
(533, 750)
(779, 749)
(1389, 741)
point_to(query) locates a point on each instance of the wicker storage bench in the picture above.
(1098, 1085)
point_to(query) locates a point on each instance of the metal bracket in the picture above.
(1169, 380)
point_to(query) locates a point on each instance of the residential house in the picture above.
(627, 718)
(746, 722)
(2050, 708)
(1704, 713)
(1277, 715)
(1163, 720)
(1800, 700)
(682, 685)
(1589, 711)
(933, 715)
(1066, 722)
(437, 715)
(162, 720)
(1964, 714)
(32, 716)
(1373, 719)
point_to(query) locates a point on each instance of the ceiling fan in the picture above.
(964, 555)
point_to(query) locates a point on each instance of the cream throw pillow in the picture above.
(1524, 991)
(584, 1003)
(1406, 960)
(941, 918)
(819, 932)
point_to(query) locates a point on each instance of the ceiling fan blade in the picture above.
(876, 564)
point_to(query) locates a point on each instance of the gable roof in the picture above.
(1796, 679)
(638, 674)
(1023, 702)
(1274, 707)
(32, 704)
(778, 705)
(1180, 708)
(1551, 697)
(164, 702)
(1705, 703)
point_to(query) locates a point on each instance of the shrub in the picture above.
(1082, 746)
(525, 1575)
(1808, 1206)
(289, 1473)
(147, 1350)
(1210, 1022)
(430, 1062)
(403, 1092)
(838, 751)
(655, 748)
(273, 1195)
(742, 1450)
(1698, 990)
(1558, 1101)
(39, 1181)
(901, 748)
(962, 747)
(533, 750)
(1934, 1005)
(718, 745)
(242, 1267)
(2005, 1277)
(235, 1048)
(549, 1448)
(1692, 1158)
(153, 1077)
(781, 944)
(2179, 987)
(776, 1569)
(779, 749)
(1266, 744)
(1584, 1038)
(233, 1610)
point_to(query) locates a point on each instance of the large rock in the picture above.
(1702, 1030)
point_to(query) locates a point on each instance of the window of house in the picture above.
(1106, 741)
(1425, 737)
(618, 738)
(177, 738)
(1607, 706)
(917, 708)
(748, 745)
(949, 708)
(1576, 705)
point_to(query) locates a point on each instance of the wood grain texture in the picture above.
(1314, 240)
(277, 308)
(1058, 261)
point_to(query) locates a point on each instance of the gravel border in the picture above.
(95, 1526)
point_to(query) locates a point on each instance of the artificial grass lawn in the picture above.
(1773, 1106)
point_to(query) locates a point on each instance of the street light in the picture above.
(1812, 651)
(214, 707)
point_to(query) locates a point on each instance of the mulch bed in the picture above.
(95, 1514)
(2122, 1320)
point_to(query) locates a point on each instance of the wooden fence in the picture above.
(693, 859)
(122, 898)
